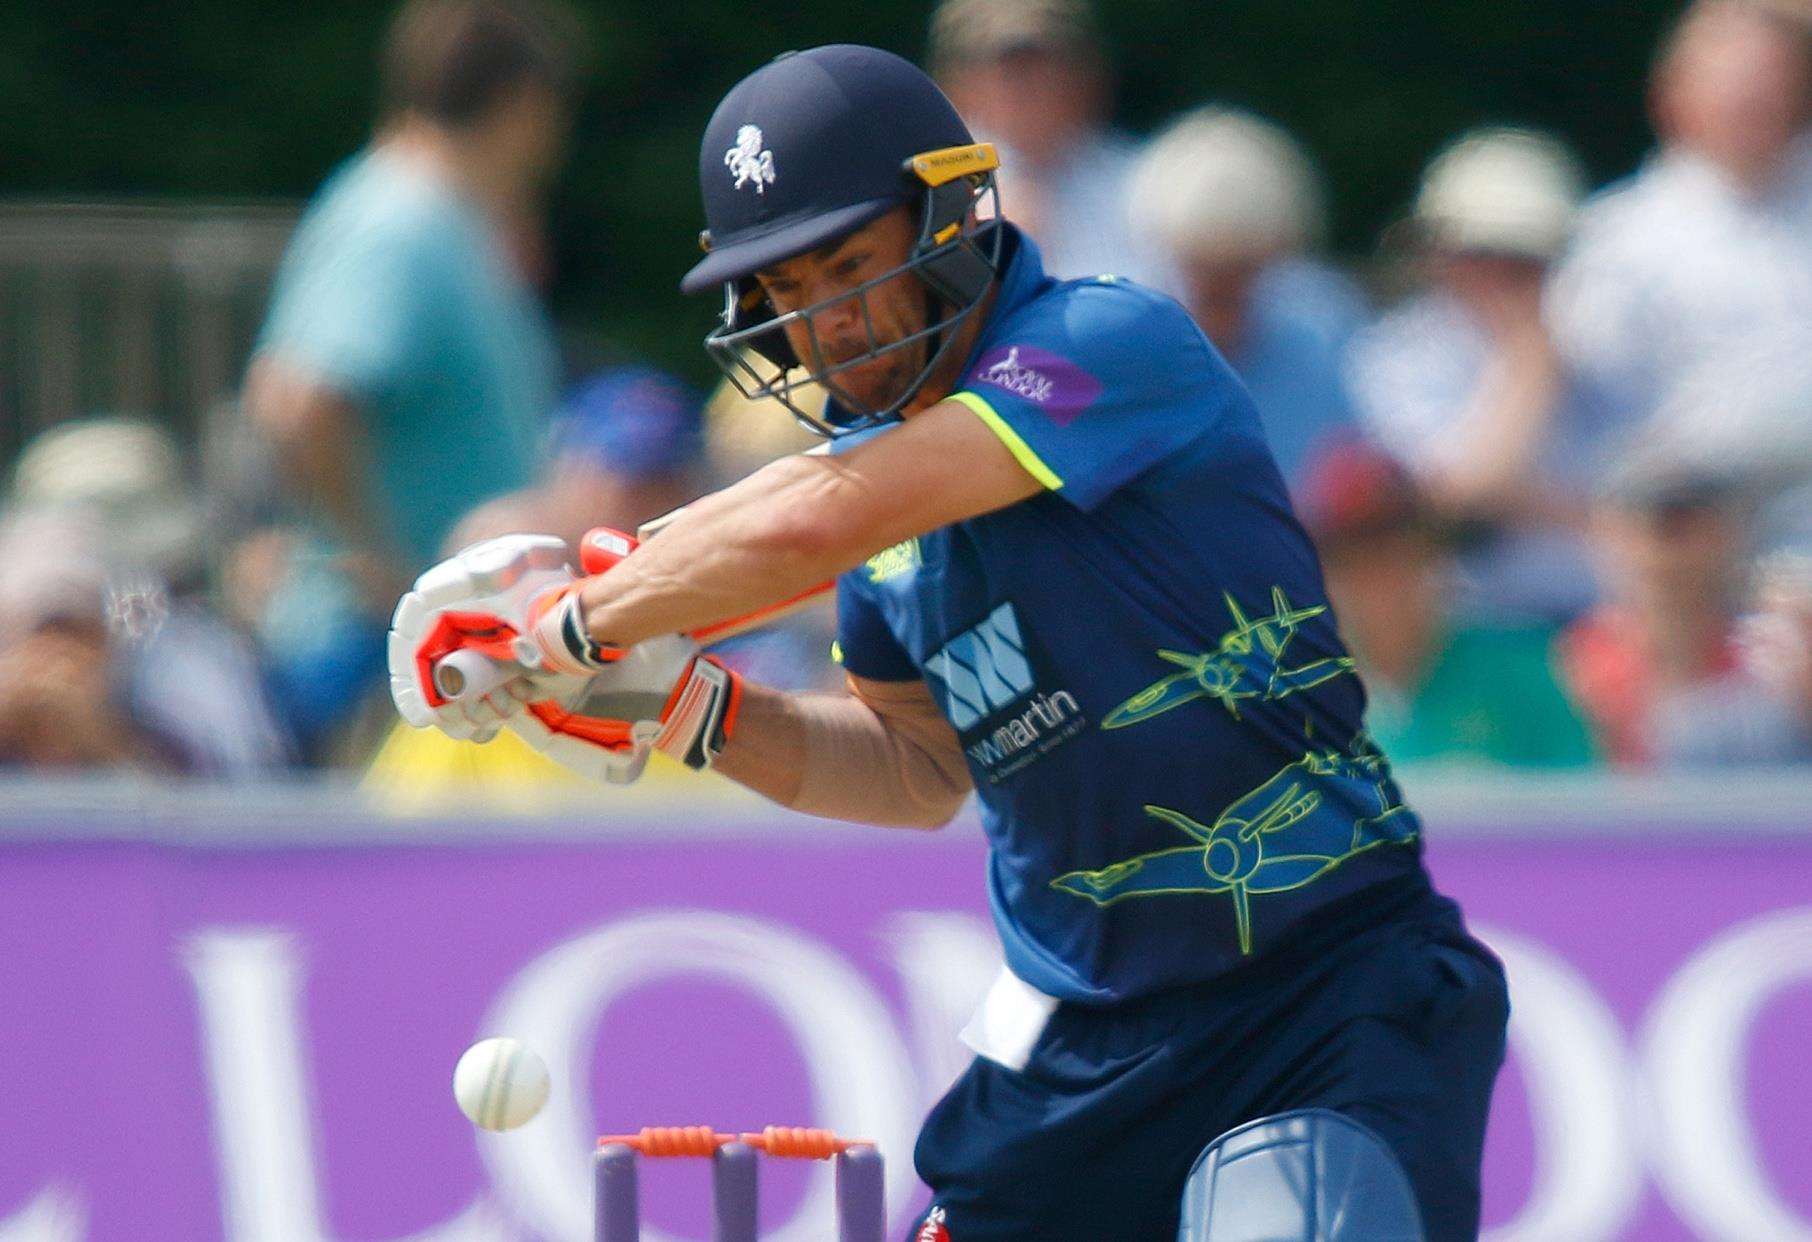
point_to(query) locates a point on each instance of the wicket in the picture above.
(861, 1197)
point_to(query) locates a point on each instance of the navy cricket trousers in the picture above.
(1388, 1012)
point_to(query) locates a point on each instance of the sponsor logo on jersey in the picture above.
(995, 696)
(1055, 385)
(1021, 381)
(749, 162)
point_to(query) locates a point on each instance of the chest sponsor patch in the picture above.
(1057, 386)
(1000, 694)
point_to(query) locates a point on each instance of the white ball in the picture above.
(500, 1083)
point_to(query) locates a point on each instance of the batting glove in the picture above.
(460, 653)
(659, 695)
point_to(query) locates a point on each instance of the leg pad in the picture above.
(1312, 1175)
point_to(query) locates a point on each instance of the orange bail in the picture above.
(781, 1142)
(671, 1140)
(798, 1143)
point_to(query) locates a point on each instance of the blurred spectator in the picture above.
(104, 516)
(405, 370)
(1658, 669)
(1463, 384)
(405, 373)
(742, 436)
(1745, 412)
(1437, 689)
(1709, 246)
(627, 446)
(623, 446)
(58, 707)
(1032, 76)
(1776, 636)
(1234, 203)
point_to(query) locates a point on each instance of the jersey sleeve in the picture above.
(355, 310)
(1096, 383)
(865, 644)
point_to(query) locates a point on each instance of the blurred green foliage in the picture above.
(223, 99)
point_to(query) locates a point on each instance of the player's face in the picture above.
(840, 330)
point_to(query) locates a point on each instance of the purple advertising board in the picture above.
(210, 1040)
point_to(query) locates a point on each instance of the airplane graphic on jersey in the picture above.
(1248, 664)
(1283, 835)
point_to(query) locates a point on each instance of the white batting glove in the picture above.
(472, 613)
(659, 695)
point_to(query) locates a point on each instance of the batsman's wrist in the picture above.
(561, 637)
(701, 714)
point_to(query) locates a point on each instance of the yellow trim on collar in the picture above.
(1022, 452)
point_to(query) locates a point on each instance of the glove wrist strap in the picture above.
(562, 638)
(701, 714)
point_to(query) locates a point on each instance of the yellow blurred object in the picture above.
(418, 771)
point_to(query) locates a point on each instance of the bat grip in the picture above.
(468, 675)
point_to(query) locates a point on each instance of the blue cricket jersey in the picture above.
(1162, 724)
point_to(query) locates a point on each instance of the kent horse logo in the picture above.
(749, 162)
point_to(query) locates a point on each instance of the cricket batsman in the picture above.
(1068, 579)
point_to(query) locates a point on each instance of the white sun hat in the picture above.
(1224, 182)
(1501, 191)
(125, 475)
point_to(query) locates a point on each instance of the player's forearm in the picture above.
(316, 434)
(794, 523)
(834, 755)
(765, 539)
(766, 751)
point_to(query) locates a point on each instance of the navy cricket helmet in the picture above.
(807, 149)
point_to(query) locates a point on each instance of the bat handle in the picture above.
(603, 548)
(468, 675)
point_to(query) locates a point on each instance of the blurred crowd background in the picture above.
(293, 303)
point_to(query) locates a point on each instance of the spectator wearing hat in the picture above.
(1032, 77)
(1659, 669)
(105, 553)
(1438, 688)
(1708, 248)
(59, 709)
(1235, 205)
(1463, 384)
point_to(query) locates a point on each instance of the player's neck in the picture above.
(462, 163)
